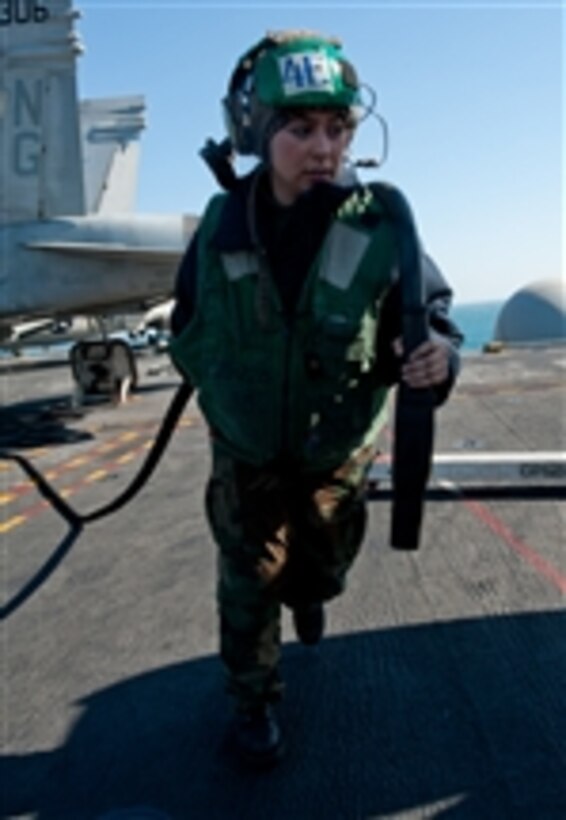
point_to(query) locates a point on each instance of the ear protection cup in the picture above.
(238, 121)
(237, 105)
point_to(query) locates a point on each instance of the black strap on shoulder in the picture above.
(414, 408)
(219, 158)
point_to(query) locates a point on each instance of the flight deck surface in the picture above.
(438, 691)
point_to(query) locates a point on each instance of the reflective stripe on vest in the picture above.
(344, 251)
(240, 264)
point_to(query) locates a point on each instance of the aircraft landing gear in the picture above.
(103, 369)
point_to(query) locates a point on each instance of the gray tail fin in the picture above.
(41, 173)
(111, 130)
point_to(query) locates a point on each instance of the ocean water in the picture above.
(477, 322)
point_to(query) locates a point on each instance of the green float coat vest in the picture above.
(300, 388)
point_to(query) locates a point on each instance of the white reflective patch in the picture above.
(240, 264)
(344, 251)
(307, 71)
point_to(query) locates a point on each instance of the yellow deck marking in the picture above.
(9, 496)
(95, 476)
(11, 523)
(105, 448)
(129, 436)
(125, 458)
(77, 462)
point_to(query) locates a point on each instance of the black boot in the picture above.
(258, 736)
(309, 623)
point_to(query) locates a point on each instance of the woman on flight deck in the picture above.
(287, 323)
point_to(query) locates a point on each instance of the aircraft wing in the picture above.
(109, 251)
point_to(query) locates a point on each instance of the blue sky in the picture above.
(471, 92)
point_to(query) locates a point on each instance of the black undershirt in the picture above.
(292, 235)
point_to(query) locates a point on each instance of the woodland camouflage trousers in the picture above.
(283, 538)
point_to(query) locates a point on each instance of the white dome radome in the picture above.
(535, 313)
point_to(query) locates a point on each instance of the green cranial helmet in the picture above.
(285, 70)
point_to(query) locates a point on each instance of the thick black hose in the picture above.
(414, 409)
(77, 520)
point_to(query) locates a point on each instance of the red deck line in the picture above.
(543, 567)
